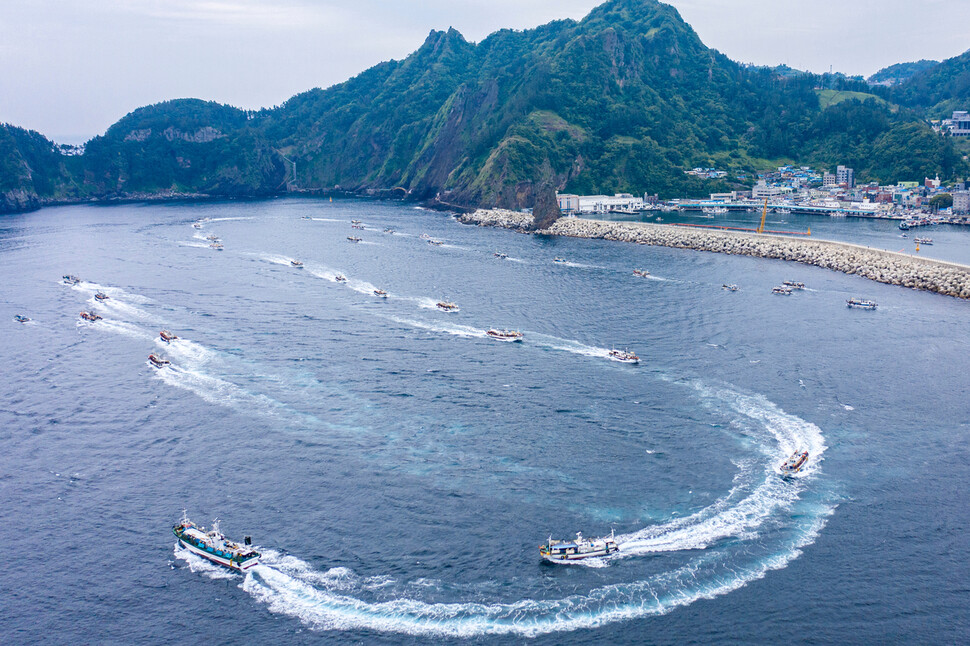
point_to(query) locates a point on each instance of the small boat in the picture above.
(101, 296)
(558, 259)
(783, 211)
(217, 246)
(718, 210)
(196, 225)
(624, 356)
(446, 306)
(795, 463)
(167, 336)
(158, 361)
(904, 226)
(215, 547)
(510, 336)
(903, 235)
(212, 238)
(389, 232)
(354, 238)
(340, 278)
(581, 548)
(791, 284)
(435, 243)
(306, 217)
(89, 316)
(642, 273)
(781, 290)
(357, 226)
(425, 236)
(730, 287)
(861, 303)
(355, 221)
(924, 241)
(71, 279)
(296, 263)
(499, 254)
(380, 293)
(20, 318)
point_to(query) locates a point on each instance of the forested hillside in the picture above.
(624, 100)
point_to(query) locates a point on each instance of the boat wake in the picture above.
(568, 345)
(445, 328)
(759, 504)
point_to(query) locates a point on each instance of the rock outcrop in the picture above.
(949, 279)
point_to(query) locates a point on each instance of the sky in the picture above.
(71, 68)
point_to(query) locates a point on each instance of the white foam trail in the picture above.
(91, 288)
(187, 352)
(122, 327)
(119, 309)
(361, 286)
(580, 265)
(197, 245)
(228, 219)
(276, 259)
(325, 220)
(568, 345)
(445, 328)
(324, 273)
(217, 391)
(292, 588)
(424, 302)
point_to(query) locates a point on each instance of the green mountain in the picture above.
(900, 72)
(32, 166)
(625, 100)
(939, 89)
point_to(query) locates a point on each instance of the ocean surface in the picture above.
(398, 469)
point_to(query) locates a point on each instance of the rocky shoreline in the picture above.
(949, 279)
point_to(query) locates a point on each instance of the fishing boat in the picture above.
(435, 243)
(499, 254)
(20, 318)
(730, 287)
(217, 246)
(389, 232)
(340, 278)
(923, 241)
(357, 226)
(446, 306)
(510, 336)
(296, 263)
(212, 238)
(717, 210)
(89, 316)
(196, 225)
(623, 356)
(354, 238)
(783, 211)
(781, 290)
(582, 548)
(557, 259)
(904, 226)
(791, 284)
(214, 546)
(795, 463)
(425, 236)
(158, 361)
(861, 303)
(71, 279)
(355, 221)
(642, 273)
(306, 217)
(167, 336)
(101, 296)
(380, 293)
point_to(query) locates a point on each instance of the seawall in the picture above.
(949, 279)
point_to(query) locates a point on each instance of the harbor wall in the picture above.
(949, 279)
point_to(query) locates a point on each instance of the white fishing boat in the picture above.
(861, 303)
(559, 260)
(435, 243)
(212, 545)
(446, 306)
(557, 551)
(340, 278)
(499, 254)
(923, 241)
(90, 316)
(642, 273)
(71, 279)
(20, 318)
(380, 293)
(354, 238)
(792, 284)
(101, 297)
(511, 336)
(157, 361)
(783, 211)
(296, 263)
(623, 356)
(716, 210)
(795, 463)
(389, 232)
(217, 246)
(167, 336)
(781, 290)
(196, 225)
(730, 287)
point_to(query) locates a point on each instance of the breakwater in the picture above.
(949, 279)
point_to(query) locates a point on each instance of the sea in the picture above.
(398, 469)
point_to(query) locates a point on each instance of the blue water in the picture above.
(397, 468)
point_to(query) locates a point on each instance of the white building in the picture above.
(961, 202)
(829, 180)
(761, 190)
(599, 203)
(845, 175)
(960, 124)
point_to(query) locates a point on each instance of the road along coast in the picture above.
(949, 279)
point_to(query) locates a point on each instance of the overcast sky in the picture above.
(71, 68)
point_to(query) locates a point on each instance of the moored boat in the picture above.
(157, 361)
(511, 336)
(791, 284)
(861, 303)
(20, 318)
(101, 296)
(380, 293)
(795, 463)
(446, 306)
(557, 551)
(89, 316)
(642, 273)
(623, 356)
(781, 290)
(731, 287)
(71, 279)
(214, 546)
(923, 241)
(167, 336)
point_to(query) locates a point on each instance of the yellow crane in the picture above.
(764, 214)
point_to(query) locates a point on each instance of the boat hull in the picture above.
(218, 560)
(565, 558)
